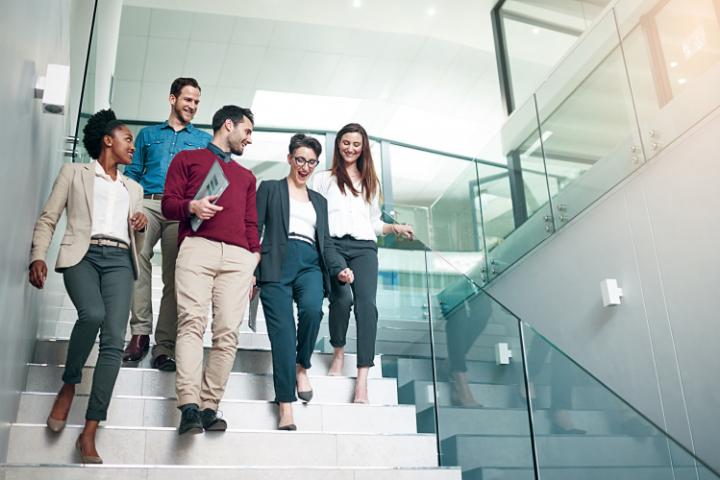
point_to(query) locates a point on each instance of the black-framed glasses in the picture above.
(300, 161)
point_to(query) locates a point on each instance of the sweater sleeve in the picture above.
(251, 216)
(174, 205)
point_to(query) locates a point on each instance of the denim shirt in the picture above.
(155, 147)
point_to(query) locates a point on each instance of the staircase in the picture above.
(336, 439)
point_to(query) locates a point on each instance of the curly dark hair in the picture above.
(100, 124)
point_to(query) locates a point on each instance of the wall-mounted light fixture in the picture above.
(611, 293)
(53, 88)
(503, 354)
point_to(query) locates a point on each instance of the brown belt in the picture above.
(106, 242)
(153, 196)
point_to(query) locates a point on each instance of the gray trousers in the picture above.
(100, 287)
(361, 257)
(141, 321)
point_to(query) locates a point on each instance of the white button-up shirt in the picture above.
(348, 214)
(111, 205)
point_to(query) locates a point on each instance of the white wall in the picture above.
(33, 33)
(658, 235)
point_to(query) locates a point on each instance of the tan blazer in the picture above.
(73, 190)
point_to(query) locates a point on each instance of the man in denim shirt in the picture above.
(155, 148)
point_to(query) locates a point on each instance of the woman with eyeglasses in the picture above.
(298, 259)
(352, 190)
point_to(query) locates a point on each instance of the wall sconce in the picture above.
(503, 354)
(611, 293)
(53, 88)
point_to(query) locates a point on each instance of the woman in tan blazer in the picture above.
(98, 260)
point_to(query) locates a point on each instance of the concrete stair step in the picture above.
(241, 386)
(557, 451)
(418, 348)
(421, 394)
(595, 473)
(163, 446)
(54, 352)
(127, 411)
(163, 472)
(495, 421)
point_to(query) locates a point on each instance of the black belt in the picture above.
(108, 242)
(153, 196)
(301, 237)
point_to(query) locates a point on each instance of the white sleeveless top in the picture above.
(302, 219)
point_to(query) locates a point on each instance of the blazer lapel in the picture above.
(88, 177)
(285, 205)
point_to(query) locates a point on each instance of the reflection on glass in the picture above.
(482, 415)
(583, 430)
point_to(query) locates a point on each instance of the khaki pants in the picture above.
(209, 272)
(141, 320)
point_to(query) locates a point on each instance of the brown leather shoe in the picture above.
(138, 347)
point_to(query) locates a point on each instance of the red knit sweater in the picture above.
(236, 224)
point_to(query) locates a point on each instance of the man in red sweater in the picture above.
(215, 264)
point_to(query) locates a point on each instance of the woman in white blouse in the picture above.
(352, 190)
(98, 260)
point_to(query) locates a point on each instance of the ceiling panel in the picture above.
(165, 59)
(253, 31)
(204, 61)
(241, 66)
(135, 21)
(171, 24)
(130, 61)
(212, 28)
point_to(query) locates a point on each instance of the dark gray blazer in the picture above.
(273, 206)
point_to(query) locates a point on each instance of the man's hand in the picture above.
(138, 221)
(346, 276)
(204, 209)
(38, 273)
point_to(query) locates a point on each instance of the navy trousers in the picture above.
(301, 281)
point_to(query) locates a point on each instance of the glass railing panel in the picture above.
(481, 403)
(589, 131)
(582, 429)
(514, 201)
(672, 48)
(434, 192)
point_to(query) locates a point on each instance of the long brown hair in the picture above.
(368, 176)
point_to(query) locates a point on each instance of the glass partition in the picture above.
(515, 203)
(673, 61)
(589, 134)
(480, 397)
(582, 429)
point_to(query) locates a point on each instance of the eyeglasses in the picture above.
(300, 161)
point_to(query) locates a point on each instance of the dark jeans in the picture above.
(361, 257)
(100, 287)
(302, 281)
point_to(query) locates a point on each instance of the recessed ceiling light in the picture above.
(682, 81)
(536, 30)
(357, 3)
(674, 64)
(431, 11)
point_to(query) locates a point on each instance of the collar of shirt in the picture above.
(100, 172)
(189, 127)
(224, 156)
